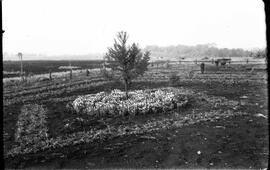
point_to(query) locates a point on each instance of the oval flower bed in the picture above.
(138, 102)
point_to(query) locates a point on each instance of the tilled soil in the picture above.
(234, 142)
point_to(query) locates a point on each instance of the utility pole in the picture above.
(20, 57)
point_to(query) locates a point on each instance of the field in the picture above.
(12, 68)
(216, 129)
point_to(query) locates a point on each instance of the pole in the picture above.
(70, 69)
(20, 56)
(50, 74)
(21, 67)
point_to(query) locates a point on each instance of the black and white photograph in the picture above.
(135, 84)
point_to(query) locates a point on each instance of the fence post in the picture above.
(50, 74)
(70, 75)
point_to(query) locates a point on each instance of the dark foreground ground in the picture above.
(240, 144)
(234, 142)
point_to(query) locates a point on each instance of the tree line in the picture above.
(203, 50)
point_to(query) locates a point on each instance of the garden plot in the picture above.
(174, 118)
(210, 98)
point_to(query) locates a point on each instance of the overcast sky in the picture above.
(89, 26)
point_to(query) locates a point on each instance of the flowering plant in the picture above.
(139, 102)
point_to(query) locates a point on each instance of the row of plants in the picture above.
(138, 102)
(37, 85)
(31, 125)
(205, 77)
(60, 99)
(225, 78)
(50, 94)
(54, 94)
(217, 101)
(150, 77)
(9, 93)
(45, 88)
(178, 79)
(116, 131)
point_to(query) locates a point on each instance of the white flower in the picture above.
(115, 102)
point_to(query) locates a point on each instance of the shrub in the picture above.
(138, 102)
(174, 79)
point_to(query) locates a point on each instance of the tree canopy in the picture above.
(127, 60)
(202, 50)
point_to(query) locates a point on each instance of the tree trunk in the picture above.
(50, 75)
(21, 69)
(126, 87)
